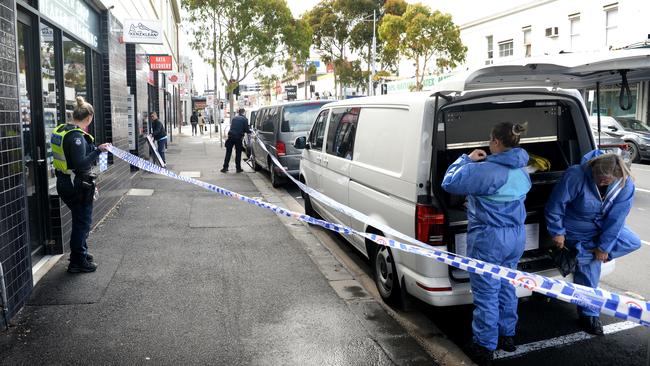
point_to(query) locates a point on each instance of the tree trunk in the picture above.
(418, 86)
(231, 102)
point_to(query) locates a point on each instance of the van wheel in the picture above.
(634, 152)
(276, 181)
(256, 167)
(386, 277)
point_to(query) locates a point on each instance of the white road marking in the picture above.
(641, 209)
(563, 340)
(645, 242)
(642, 190)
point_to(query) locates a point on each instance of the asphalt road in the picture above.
(547, 333)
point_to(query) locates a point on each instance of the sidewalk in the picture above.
(190, 277)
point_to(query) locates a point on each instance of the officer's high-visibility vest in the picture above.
(60, 163)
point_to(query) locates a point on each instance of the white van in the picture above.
(385, 156)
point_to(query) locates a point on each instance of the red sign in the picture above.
(163, 62)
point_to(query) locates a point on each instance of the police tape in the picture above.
(606, 302)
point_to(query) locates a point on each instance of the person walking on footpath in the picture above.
(159, 134)
(587, 212)
(201, 123)
(74, 151)
(194, 120)
(496, 187)
(238, 127)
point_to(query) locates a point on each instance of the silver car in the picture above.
(634, 132)
(277, 127)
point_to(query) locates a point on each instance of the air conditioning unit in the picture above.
(551, 32)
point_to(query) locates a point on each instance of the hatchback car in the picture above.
(277, 127)
(635, 133)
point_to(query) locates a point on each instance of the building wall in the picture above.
(14, 243)
(631, 28)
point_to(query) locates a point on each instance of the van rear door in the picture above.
(569, 70)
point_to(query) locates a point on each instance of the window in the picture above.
(50, 102)
(269, 120)
(318, 131)
(341, 132)
(261, 115)
(611, 25)
(527, 41)
(300, 117)
(574, 30)
(74, 74)
(490, 49)
(505, 48)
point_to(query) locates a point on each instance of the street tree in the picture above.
(240, 37)
(420, 35)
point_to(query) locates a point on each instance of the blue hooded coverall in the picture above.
(576, 211)
(495, 190)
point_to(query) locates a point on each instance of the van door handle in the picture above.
(318, 158)
(325, 161)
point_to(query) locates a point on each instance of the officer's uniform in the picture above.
(238, 127)
(74, 154)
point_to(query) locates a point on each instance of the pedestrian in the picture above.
(74, 152)
(238, 127)
(194, 120)
(159, 134)
(496, 187)
(201, 123)
(586, 212)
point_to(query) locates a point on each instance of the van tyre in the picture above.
(276, 181)
(386, 278)
(635, 156)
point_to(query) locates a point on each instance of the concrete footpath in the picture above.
(187, 276)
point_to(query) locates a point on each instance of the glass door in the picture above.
(33, 141)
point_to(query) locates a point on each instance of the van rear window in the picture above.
(300, 117)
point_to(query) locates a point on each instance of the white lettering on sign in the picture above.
(75, 17)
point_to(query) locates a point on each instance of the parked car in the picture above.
(385, 156)
(634, 132)
(250, 115)
(277, 127)
(612, 144)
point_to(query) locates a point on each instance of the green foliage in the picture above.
(420, 34)
(245, 35)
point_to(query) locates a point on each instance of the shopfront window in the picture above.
(74, 74)
(50, 118)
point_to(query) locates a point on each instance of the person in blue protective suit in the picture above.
(587, 211)
(495, 186)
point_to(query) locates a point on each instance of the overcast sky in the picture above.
(462, 11)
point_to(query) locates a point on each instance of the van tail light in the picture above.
(280, 148)
(429, 224)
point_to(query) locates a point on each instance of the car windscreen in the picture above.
(299, 117)
(633, 124)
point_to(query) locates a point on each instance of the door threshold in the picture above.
(43, 266)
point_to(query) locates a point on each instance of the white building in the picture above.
(551, 26)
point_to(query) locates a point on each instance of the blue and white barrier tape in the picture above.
(609, 303)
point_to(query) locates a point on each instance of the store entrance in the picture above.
(34, 163)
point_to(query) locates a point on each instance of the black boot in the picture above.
(479, 354)
(507, 344)
(89, 257)
(591, 324)
(83, 266)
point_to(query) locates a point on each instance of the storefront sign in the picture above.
(143, 31)
(292, 92)
(160, 62)
(75, 17)
(176, 78)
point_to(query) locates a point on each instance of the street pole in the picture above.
(374, 52)
(216, 113)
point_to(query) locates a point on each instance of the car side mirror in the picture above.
(301, 143)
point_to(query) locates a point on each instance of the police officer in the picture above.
(159, 134)
(74, 154)
(238, 127)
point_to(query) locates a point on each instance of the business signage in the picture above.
(75, 16)
(160, 62)
(175, 78)
(142, 31)
(292, 92)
